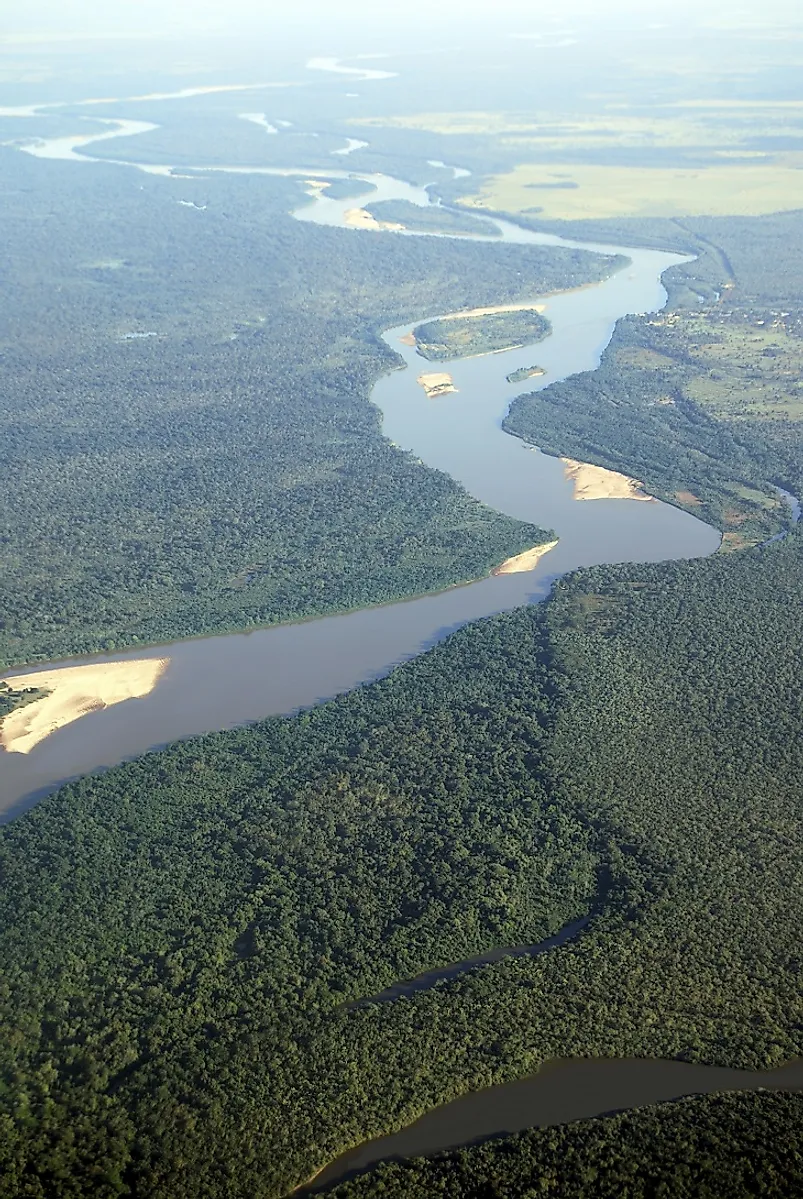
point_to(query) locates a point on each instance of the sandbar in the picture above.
(73, 692)
(526, 561)
(492, 310)
(597, 483)
(359, 218)
(436, 383)
(316, 187)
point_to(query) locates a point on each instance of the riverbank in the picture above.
(222, 679)
(73, 692)
(562, 1091)
(526, 561)
(598, 483)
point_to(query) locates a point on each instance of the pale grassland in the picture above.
(741, 180)
(691, 124)
(583, 192)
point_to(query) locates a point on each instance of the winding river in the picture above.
(224, 681)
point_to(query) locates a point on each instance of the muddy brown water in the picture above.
(220, 682)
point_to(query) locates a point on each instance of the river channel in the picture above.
(220, 682)
(224, 681)
(562, 1091)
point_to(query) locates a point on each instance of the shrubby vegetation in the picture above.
(525, 372)
(10, 699)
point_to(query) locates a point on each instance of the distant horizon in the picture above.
(94, 20)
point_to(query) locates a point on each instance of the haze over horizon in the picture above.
(91, 19)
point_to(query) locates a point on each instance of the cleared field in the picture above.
(592, 192)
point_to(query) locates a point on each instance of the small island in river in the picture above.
(483, 331)
(524, 373)
(403, 214)
(436, 383)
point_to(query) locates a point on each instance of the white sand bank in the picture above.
(526, 561)
(597, 483)
(493, 309)
(436, 383)
(359, 218)
(74, 691)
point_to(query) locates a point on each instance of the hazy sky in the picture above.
(169, 17)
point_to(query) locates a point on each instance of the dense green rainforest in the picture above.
(184, 415)
(182, 935)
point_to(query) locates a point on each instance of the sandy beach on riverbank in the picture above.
(74, 691)
(360, 218)
(597, 483)
(526, 561)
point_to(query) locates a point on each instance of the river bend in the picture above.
(223, 681)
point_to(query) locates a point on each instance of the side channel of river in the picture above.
(221, 682)
(562, 1091)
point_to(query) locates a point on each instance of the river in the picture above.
(219, 682)
(561, 1091)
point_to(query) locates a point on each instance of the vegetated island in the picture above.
(485, 331)
(431, 220)
(340, 189)
(525, 372)
(436, 383)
